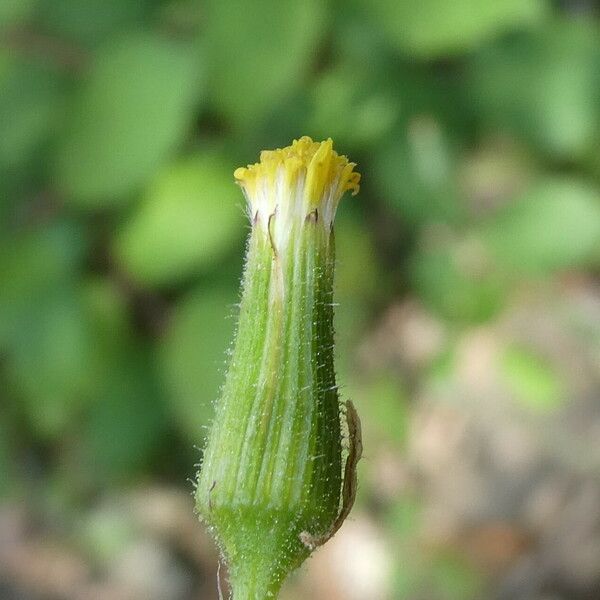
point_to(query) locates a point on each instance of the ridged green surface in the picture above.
(272, 465)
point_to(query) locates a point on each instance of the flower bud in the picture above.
(273, 485)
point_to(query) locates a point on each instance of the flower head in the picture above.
(272, 485)
(295, 181)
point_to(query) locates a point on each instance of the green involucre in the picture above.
(271, 478)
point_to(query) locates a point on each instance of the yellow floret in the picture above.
(325, 173)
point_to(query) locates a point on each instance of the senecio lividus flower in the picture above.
(279, 470)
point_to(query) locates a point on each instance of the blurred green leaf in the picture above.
(405, 517)
(353, 107)
(260, 53)
(89, 21)
(124, 427)
(14, 11)
(122, 422)
(53, 364)
(129, 116)
(456, 282)
(108, 309)
(30, 106)
(358, 279)
(358, 274)
(452, 578)
(533, 381)
(192, 357)
(415, 172)
(189, 219)
(34, 265)
(544, 87)
(386, 420)
(556, 225)
(431, 28)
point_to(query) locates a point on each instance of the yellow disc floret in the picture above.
(307, 173)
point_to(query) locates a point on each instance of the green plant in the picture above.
(272, 487)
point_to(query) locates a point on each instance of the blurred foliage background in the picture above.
(469, 317)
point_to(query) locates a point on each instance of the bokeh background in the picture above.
(468, 283)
